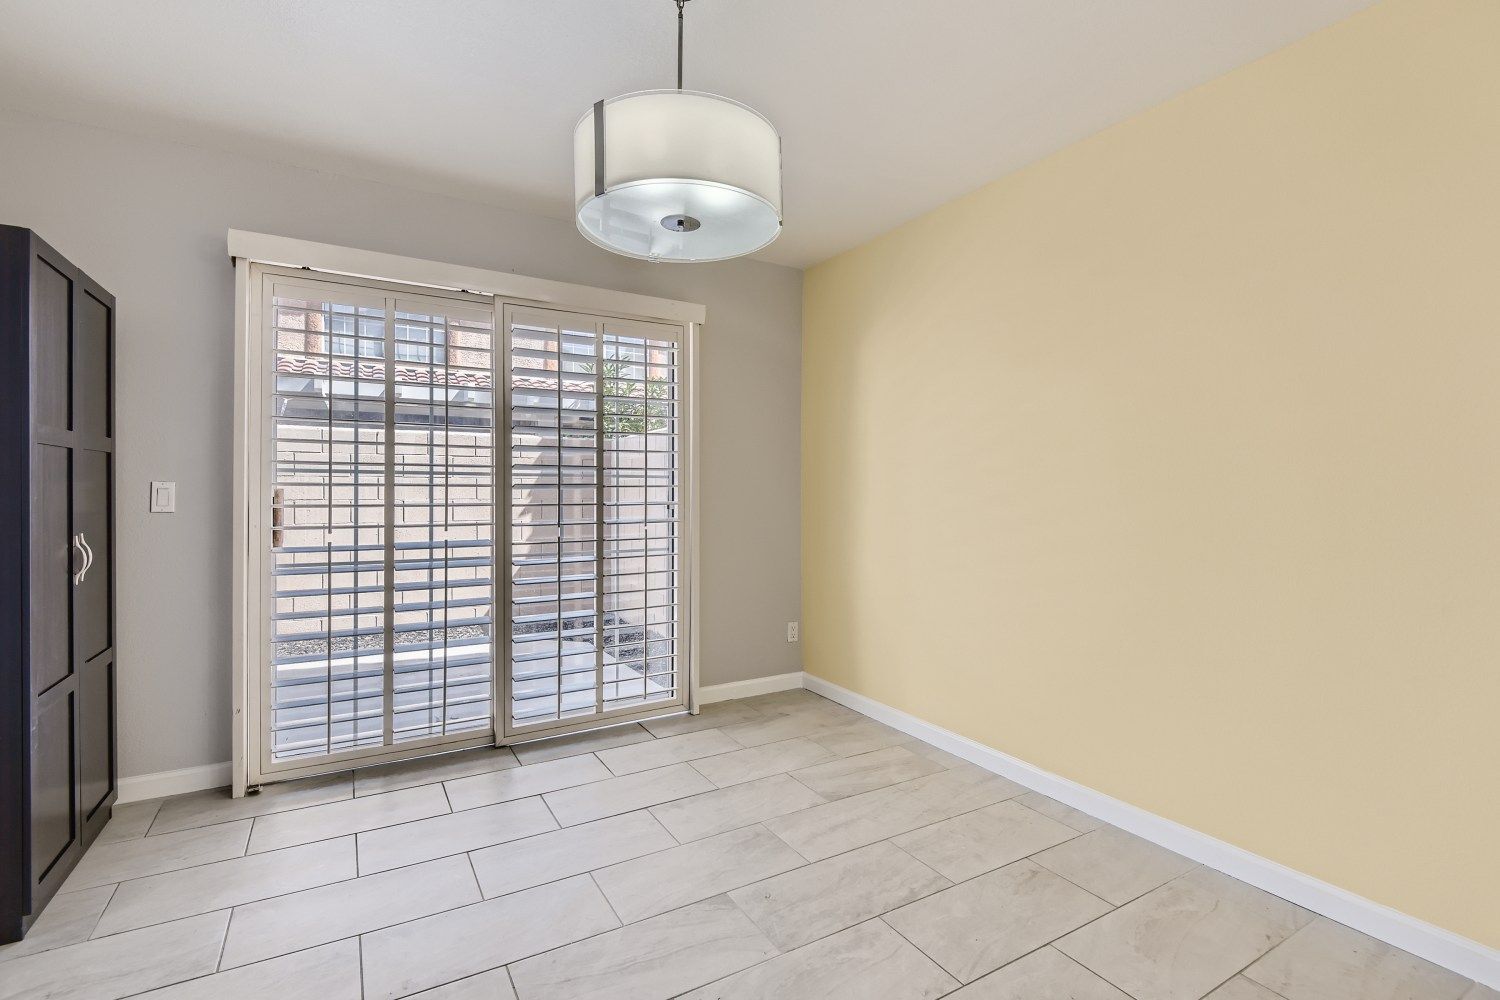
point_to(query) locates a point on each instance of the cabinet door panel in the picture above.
(91, 362)
(53, 559)
(97, 732)
(51, 306)
(54, 816)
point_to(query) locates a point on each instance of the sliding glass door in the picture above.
(594, 576)
(447, 565)
(381, 425)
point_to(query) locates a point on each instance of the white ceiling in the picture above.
(886, 108)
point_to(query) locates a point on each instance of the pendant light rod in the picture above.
(680, 5)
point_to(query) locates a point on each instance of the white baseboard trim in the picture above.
(1462, 955)
(185, 779)
(749, 689)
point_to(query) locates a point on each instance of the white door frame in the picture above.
(251, 252)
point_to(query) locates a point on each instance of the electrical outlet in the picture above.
(792, 631)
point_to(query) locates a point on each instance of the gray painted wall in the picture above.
(148, 220)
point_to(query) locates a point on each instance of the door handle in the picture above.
(88, 557)
(78, 546)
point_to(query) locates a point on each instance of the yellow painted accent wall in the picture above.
(1171, 463)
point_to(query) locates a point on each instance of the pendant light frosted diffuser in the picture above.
(677, 175)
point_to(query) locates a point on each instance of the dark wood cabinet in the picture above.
(57, 623)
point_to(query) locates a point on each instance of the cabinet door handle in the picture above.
(88, 557)
(78, 573)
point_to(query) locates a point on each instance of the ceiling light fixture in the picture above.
(677, 175)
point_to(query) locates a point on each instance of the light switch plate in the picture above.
(163, 498)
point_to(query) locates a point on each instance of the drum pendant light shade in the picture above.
(680, 176)
(677, 175)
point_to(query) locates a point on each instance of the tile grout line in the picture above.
(643, 809)
(819, 794)
(100, 918)
(1278, 944)
(230, 909)
(337, 836)
(368, 798)
(168, 871)
(1077, 834)
(248, 965)
(808, 944)
(675, 841)
(1075, 930)
(1113, 906)
(897, 931)
(224, 943)
(1075, 961)
(474, 872)
(595, 819)
(1282, 996)
(411, 864)
(1065, 955)
(1087, 923)
(312, 888)
(354, 796)
(719, 892)
(622, 927)
(208, 864)
(355, 834)
(952, 885)
(179, 982)
(545, 805)
(899, 833)
(877, 916)
(909, 854)
(155, 815)
(589, 873)
(514, 763)
(763, 746)
(522, 958)
(607, 902)
(467, 853)
(805, 860)
(270, 812)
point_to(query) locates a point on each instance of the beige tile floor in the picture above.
(780, 847)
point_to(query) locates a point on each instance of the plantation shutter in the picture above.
(382, 594)
(595, 573)
(421, 588)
